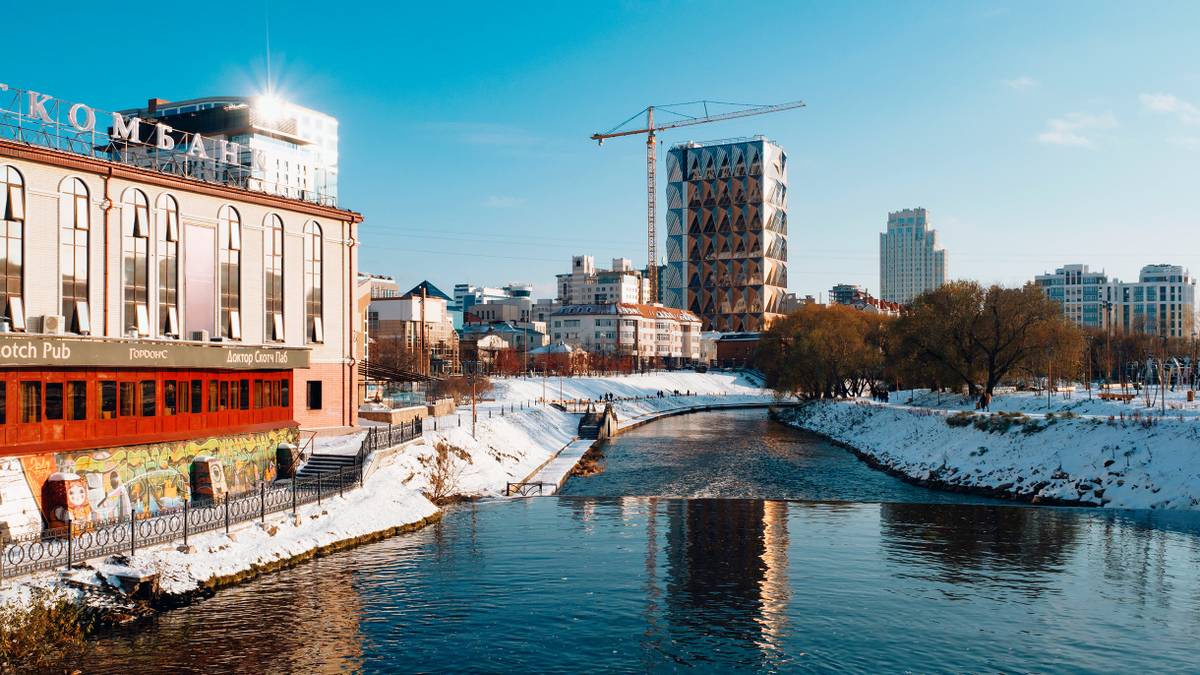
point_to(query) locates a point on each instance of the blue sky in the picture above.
(1037, 134)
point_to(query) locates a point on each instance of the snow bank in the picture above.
(511, 447)
(505, 448)
(1128, 463)
(382, 505)
(1076, 402)
(522, 389)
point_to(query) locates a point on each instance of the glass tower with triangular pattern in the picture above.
(727, 232)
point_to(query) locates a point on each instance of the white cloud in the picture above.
(1171, 105)
(1021, 83)
(503, 202)
(1074, 129)
(1189, 142)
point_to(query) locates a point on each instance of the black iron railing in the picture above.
(381, 438)
(65, 546)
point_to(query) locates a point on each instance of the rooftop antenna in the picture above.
(267, 22)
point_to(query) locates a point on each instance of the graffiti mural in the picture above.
(145, 479)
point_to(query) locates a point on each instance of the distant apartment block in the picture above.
(910, 260)
(794, 301)
(651, 332)
(1161, 302)
(586, 285)
(1080, 292)
(726, 226)
(853, 295)
(379, 285)
(468, 295)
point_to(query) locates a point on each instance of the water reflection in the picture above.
(652, 584)
(986, 544)
(299, 621)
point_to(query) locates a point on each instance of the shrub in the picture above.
(47, 632)
(960, 419)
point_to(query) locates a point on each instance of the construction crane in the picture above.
(651, 130)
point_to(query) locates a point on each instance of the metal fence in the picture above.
(380, 438)
(62, 547)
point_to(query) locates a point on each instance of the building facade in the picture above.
(647, 332)
(414, 331)
(1161, 302)
(1082, 294)
(726, 228)
(587, 285)
(149, 318)
(911, 261)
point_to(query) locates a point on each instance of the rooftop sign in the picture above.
(35, 118)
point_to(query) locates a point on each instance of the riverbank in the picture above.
(511, 439)
(121, 588)
(1126, 461)
(512, 445)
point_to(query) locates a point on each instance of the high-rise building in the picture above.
(727, 232)
(910, 260)
(1080, 292)
(290, 150)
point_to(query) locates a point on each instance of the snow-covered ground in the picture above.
(1076, 402)
(509, 448)
(723, 382)
(1126, 461)
(382, 505)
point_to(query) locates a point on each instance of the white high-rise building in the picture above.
(910, 260)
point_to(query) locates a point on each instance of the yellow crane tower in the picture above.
(651, 130)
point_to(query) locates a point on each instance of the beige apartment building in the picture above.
(648, 332)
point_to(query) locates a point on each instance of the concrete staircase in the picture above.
(328, 464)
(589, 426)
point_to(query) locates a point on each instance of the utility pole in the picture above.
(473, 417)
(424, 352)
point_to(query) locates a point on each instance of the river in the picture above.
(842, 569)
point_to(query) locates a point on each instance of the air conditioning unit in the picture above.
(53, 324)
(200, 335)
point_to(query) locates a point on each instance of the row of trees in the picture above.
(961, 334)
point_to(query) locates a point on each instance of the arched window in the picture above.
(135, 256)
(229, 242)
(273, 276)
(313, 244)
(74, 221)
(12, 249)
(166, 234)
